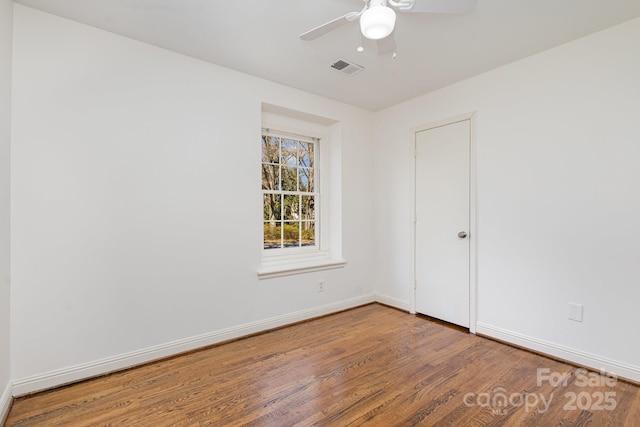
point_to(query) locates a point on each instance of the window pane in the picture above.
(308, 207)
(270, 177)
(289, 152)
(272, 210)
(270, 149)
(306, 180)
(289, 178)
(291, 234)
(272, 235)
(291, 207)
(305, 156)
(308, 233)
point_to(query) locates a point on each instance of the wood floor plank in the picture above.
(370, 366)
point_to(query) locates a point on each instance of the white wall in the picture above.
(6, 20)
(137, 207)
(558, 149)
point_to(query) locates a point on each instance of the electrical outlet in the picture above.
(575, 311)
(320, 285)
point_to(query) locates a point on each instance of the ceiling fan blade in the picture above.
(387, 46)
(329, 26)
(443, 6)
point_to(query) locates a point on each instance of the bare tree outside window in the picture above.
(289, 191)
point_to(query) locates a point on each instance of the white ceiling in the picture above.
(261, 37)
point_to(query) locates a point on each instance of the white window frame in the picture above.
(323, 255)
(317, 193)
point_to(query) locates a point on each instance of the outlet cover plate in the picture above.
(575, 311)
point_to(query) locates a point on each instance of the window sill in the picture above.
(289, 268)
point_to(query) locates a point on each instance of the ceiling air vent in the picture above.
(346, 67)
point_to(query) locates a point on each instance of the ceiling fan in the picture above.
(377, 18)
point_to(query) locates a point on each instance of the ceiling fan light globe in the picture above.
(377, 22)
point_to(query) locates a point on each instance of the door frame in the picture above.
(473, 229)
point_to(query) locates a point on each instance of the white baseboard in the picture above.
(5, 403)
(88, 370)
(582, 358)
(100, 367)
(393, 302)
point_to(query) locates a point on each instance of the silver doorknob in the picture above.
(462, 234)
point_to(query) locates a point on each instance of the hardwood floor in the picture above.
(368, 366)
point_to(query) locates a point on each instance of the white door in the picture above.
(442, 248)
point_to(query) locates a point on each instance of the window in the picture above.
(289, 191)
(300, 193)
